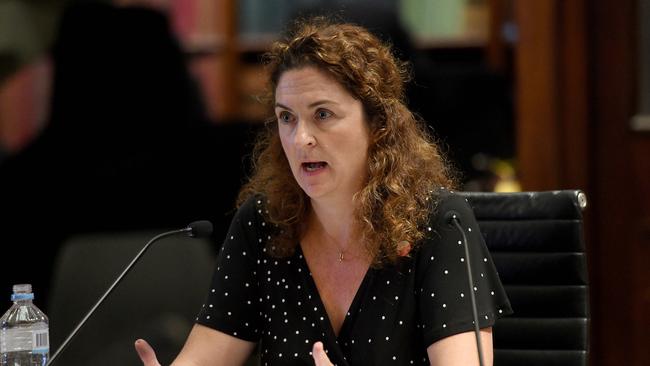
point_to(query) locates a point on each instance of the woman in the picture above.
(339, 253)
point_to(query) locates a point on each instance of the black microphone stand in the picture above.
(110, 289)
(453, 218)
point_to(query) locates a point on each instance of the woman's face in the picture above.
(324, 133)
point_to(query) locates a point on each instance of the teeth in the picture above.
(313, 166)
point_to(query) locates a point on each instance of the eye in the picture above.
(323, 114)
(285, 117)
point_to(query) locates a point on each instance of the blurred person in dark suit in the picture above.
(3, 154)
(127, 144)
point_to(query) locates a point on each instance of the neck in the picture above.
(334, 224)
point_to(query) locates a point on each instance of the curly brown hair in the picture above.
(404, 163)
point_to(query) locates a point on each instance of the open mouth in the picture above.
(314, 166)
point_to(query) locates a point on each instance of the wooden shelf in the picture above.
(255, 43)
(451, 42)
(259, 43)
(207, 44)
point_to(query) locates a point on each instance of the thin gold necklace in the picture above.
(342, 256)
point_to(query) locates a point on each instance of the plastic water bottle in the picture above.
(24, 333)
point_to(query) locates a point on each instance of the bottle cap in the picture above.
(22, 292)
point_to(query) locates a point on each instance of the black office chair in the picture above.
(158, 300)
(536, 240)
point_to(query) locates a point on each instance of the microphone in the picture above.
(199, 229)
(453, 218)
(196, 229)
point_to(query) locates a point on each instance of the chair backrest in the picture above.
(158, 300)
(537, 242)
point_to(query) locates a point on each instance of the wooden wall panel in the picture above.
(576, 73)
(225, 24)
(641, 247)
(551, 94)
(573, 95)
(537, 102)
(622, 189)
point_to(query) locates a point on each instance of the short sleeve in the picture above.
(233, 299)
(443, 288)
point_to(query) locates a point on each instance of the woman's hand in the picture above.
(320, 357)
(148, 356)
(146, 353)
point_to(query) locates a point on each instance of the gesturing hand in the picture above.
(146, 353)
(320, 357)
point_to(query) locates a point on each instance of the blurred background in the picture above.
(131, 115)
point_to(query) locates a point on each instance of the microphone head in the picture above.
(200, 229)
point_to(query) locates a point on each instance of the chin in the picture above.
(315, 191)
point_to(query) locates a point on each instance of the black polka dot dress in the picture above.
(398, 311)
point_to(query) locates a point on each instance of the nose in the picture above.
(304, 135)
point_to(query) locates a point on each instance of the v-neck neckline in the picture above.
(353, 310)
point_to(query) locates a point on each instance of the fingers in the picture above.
(320, 357)
(146, 353)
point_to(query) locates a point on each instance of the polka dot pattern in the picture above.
(397, 312)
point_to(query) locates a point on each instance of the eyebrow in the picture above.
(282, 106)
(312, 105)
(320, 102)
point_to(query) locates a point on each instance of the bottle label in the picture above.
(20, 339)
(41, 341)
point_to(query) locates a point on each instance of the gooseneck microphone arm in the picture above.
(453, 219)
(194, 230)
